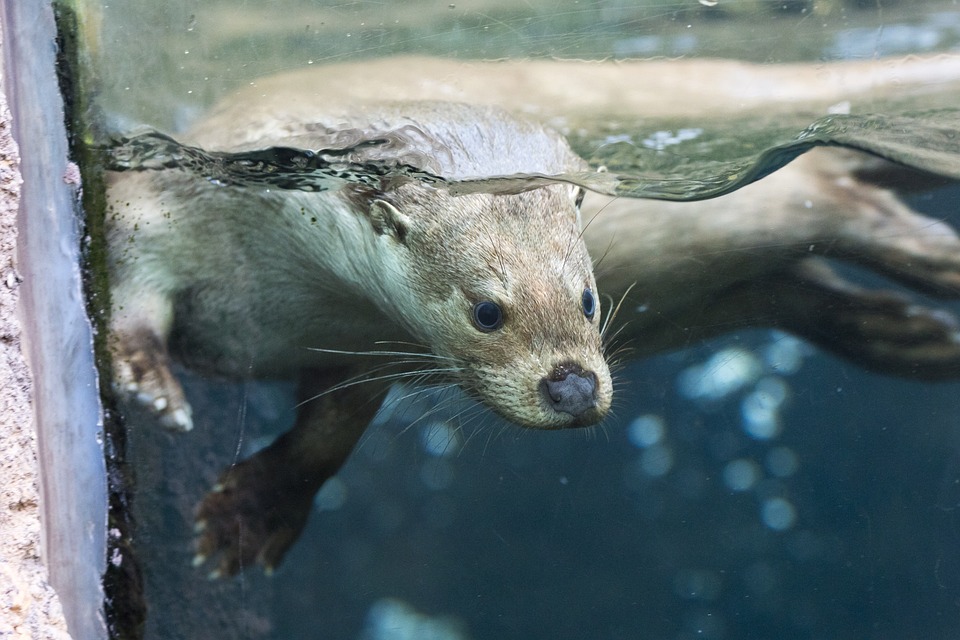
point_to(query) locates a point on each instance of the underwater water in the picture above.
(751, 487)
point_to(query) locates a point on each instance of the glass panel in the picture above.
(781, 455)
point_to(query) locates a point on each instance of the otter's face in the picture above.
(503, 286)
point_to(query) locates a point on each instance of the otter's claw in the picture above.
(251, 516)
(142, 372)
(179, 420)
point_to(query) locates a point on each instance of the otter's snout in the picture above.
(571, 390)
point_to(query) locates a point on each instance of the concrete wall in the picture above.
(52, 479)
(29, 607)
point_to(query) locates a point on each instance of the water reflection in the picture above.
(394, 157)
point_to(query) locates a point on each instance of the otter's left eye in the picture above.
(589, 303)
(487, 316)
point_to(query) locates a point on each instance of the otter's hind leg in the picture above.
(881, 232)
(881, 330)
(258, 507)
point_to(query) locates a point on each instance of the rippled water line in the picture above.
(928, 141)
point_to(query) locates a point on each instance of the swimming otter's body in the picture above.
(492, 292)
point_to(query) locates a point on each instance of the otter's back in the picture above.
(454, 140)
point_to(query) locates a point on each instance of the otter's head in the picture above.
(503, 286)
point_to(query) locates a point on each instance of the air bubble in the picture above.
(440, 439)
(726, 372)
(782, 462)
(656, 461)
(646, 430)
(393, 619)
(331, 496)
(778, 514)
(785, 354)
(760, 409)
(741, 474)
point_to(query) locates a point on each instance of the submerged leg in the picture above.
(141, 363)
(881, 330)
(883, 233)
(258, 507)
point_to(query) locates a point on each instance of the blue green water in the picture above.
(750, 488)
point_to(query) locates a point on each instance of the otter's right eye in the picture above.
(487, 316)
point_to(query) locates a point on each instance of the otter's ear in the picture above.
(387, 219)
(577, 193)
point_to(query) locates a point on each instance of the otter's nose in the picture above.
(570, 389)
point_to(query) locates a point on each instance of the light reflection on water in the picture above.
(392, 619)
(728, 375)
(896, 39)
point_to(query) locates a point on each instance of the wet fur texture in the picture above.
(247, 284)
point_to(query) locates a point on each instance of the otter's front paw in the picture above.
(252, 515)
(141, 370)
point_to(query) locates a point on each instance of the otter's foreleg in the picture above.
(141, 364)
(258, 508)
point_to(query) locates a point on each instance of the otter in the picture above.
(494, 292)
(351, 289)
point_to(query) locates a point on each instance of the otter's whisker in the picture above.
(381, 352)
(424, 386)
(469, 407)
(366, 373)
(613, 340)
(437, 408)
(390, 377)
(421, 386)
(496, 434)
(469, 416)
(616, 310)
(579, 238)
(426, 350)
(616, 363)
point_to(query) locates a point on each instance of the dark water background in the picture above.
(749, 488)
